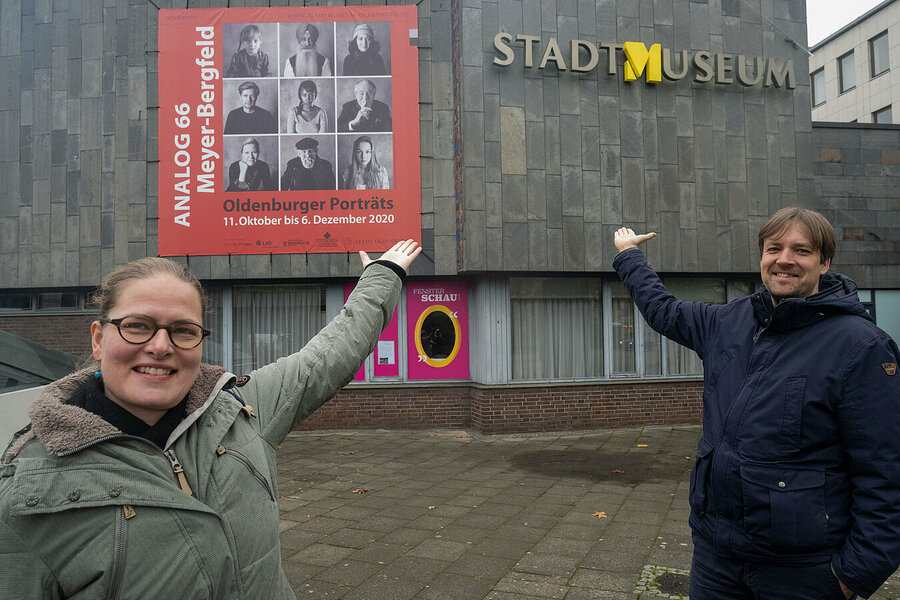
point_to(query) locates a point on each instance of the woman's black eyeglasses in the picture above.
(139, 330)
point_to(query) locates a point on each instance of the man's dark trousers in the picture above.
(715, 577)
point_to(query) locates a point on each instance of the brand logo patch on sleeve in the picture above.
(889, 368)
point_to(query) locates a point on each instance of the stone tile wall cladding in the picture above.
(554, 162)
(522, 170)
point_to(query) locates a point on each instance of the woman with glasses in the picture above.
(153, 475)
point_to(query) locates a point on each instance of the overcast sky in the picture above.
(824, 17)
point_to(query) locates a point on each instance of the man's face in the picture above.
(790, 266)
(308, 157)
(365, 93)
(248, 99)
(306, 41)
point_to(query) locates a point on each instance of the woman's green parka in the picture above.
(89, 512)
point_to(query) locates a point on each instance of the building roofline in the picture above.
(850, 25)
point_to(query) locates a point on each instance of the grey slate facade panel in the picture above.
(548, 160)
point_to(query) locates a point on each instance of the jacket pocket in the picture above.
(699, 490)
(792, 416)
(222, 450)
(784, 507)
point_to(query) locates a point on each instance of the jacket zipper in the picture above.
(122, 517)
(253, 470)
(179, 472)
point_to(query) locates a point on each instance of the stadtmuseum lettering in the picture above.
(654, 63)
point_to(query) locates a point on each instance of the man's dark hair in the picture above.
(248, 85)
(817, 229)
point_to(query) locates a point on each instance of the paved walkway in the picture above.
(453, 515)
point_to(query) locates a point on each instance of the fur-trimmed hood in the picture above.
(61, 426)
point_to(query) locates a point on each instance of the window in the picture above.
(623, 330)
(214, 320)
(58, 300)
(878, 54)
(846, 75)
(818, 87)
(555, 328)
(15, 301)
(680, 360)
(883, 116)
(66, 300)
(271, 321)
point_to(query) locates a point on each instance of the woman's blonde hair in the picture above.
(107, 295)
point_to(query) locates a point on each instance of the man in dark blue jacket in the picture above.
(796, 488)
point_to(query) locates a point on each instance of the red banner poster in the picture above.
(437, 326)
(288, 130)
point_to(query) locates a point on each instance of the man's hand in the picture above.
(626, 238)
(848, 593)
(401, 254)
(364, 114)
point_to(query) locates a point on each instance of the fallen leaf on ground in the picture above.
(432, 507)
(360, 491)
(643, 445)
(687, 458)
(599, 515)
(617, 471)
(525, 523)
(462, 436)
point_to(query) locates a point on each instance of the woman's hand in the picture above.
(243, 174)
(401, 254)
(626, 238)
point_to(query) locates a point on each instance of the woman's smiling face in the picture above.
(150, 378)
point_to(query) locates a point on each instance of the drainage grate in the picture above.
(662, 582)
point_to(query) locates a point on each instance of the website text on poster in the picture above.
(288, 130)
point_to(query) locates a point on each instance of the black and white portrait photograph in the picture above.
(366, 162)
(308, 162)
(307, 50)
(307, 105)
(250, 160)
(365, 105)
(364, 48)
(250, 50)
(250, 106)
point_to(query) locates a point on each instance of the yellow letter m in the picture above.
(637, 57)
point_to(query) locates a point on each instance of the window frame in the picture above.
(812, 86)
(887, 109)
(842, 70)
(887, 58)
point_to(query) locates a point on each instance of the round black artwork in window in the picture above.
(438, 335)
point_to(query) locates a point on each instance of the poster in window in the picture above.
(384, 357)
(288, 129)
(437, 327)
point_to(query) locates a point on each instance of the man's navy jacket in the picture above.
(799, 460)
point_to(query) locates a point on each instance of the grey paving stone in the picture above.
(346, 573)
(454, 586)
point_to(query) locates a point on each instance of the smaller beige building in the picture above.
(855, 72)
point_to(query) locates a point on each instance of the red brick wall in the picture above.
(69, 333)
(512, 410)
(395, 408)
